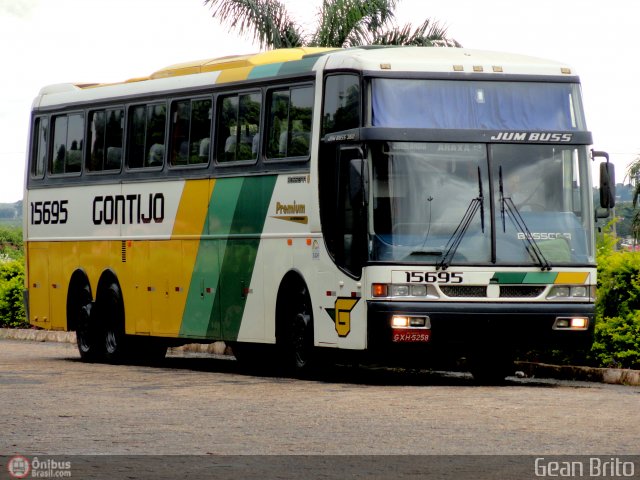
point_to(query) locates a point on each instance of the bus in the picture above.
(399, 203)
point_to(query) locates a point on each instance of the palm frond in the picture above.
(346, 23)
(429, 34)
(266, 20)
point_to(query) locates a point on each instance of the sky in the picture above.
(45, 42)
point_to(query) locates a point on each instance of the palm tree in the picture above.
(342, 23)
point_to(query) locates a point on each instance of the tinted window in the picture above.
(238, 129)
(341, 103)
(190, 132)
(290, 113)
(40, 143)
(105, 140)
(146, 145)
(68, 135)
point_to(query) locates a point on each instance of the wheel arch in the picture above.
(78, 282)
(289, 281)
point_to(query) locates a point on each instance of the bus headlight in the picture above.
(392, 290)
(571, 292)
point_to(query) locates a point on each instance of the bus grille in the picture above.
(464, 291)
(521, 291)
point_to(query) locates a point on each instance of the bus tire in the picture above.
(86, 326)
(294, 332)
(491, 367)
(111, 311)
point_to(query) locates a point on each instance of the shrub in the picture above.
(12, 312)
(617, 341)
(617, 332)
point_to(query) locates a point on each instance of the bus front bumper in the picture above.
(466, 324)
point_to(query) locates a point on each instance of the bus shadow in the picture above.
(365, 375)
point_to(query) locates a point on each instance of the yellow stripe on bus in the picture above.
(579, 278)
(193, 208)
(234, 75)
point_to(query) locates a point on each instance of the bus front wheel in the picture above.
(294, 337)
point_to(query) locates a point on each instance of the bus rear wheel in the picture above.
(111, 312)
(87, 333)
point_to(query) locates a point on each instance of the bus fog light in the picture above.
(400, 321)
(571, 323)
(579, 323)
(420, 322)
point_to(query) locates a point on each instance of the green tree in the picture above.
(341, 23)
(633, 175)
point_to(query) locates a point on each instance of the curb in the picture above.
(32, 335)
(613, 376)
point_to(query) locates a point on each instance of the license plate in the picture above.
(408, 335)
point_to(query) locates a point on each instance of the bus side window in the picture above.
(341, 103)
(105, 140)
(40, 150)
(238, 126)
(289, 131)
(68, 138)
(146, 136)
(190, 131)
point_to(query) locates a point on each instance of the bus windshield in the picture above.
(426, 197)
(458, 104)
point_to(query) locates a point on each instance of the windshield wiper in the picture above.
(456, 238)
(532, 247)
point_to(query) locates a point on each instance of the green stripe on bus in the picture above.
(299, 66)
(504, 278)
(264, 71)
(240, 253)
(200, 310)
(540, 277)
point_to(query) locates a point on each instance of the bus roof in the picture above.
(457, 61)
(443, 60)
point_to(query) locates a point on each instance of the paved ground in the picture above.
(54, 404)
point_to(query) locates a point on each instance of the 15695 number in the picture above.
(434, 277)
(49, 212)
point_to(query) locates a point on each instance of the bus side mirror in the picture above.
(607, 181)
(607, 185)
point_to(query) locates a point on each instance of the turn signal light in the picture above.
(379, 290)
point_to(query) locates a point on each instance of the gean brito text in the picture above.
(128, 209)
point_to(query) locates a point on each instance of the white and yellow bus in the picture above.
(406, 202)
